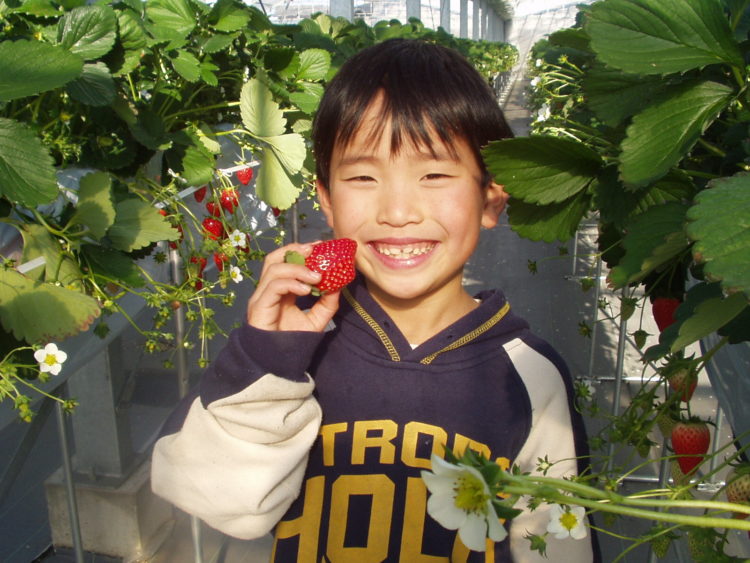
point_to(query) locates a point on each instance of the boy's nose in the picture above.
(398, 206)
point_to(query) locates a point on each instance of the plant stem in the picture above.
(222, 105)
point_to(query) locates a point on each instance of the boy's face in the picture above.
(416, 217)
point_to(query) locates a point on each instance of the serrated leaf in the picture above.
(313, 64)
(614, 95)
(95, 86)
(31, 67)
(95, 208)
(228, 15)
(27, 174)
(38, 312)
(273, 185)
(653, 238)
(187, 66)
(720, 225)
(261, 115)
(131, 32)
(112, 264)
(138, 224)
(281, 58)
(557, 221)
(208, 139)
(171, 18)
(88, 31)
(574, 38)
(40, 8)
(304, 101)
(150, 130)
(58, 267)
(541, 170)
(708, 317)
(207, 73)
(218, 42)
(191, 159)
(661, 36)
(661, 135)
(302, 126)
(290, 150)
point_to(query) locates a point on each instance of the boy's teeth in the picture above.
(404, 251)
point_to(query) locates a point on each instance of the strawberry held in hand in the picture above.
(332, 259)
(690, 441)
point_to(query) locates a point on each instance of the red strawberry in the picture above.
(276, 211)
(690, 441)
(200, 194)
(244, 175)
(663, 309)
(737, 488)
(333, 259)
(220, 259)
(213, 227)
(201, 261)
(229, 199)
(213, 209)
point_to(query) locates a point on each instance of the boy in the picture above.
(413, 362)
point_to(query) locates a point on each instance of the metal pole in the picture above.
(295, 222)
(622, 337)
(595, 320)
(70, 492)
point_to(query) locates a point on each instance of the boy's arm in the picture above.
(234, 453)
(556, 433)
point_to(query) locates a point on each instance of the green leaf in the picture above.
(281, 58)
(313, 64)
(557, 221)
(187, 66)
(139, 224)
(274, 186)
(614, 95)
(150, 130)
(653, 238)
(38, 242)
(171, 18)
(88, 31)
(218, 42)
(190, 158)
(95, 207)
(661, 36)
(541, 170)
(95, 86)
(719, 225)
(207, 73)
(290, 150)
(31, 67)
(305, 102)
(261, 116)
(708, 317)
(228, 15)
(111, 263)
(131, 31)
(40, 8)
(27, 174)
(664, 132)
(39, 312)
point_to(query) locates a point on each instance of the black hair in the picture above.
(426, 87)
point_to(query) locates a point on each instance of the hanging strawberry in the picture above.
(213, 209)
(663, 309)
(229, 199)
(690, 441)
(213, 228)
(200, 194)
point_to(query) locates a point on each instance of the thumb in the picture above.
(324, 309)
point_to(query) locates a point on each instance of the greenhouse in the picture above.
(153, 153)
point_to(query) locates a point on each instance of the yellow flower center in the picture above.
(50, 359)
(569, 520)
(470, 493)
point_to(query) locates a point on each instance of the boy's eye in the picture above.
(360, 179)
(435, 176)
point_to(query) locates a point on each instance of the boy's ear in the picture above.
(495, 199)
(324, 198)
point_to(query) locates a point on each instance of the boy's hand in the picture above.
(273, 304)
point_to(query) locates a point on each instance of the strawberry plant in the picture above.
(110, 112)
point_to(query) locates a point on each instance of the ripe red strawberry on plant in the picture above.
(333, 260)
(213, 209)
(244, 175)
(229, 199)
(737, 488)
(690, 441)
(213, 227)
(200, 193)
(220, 259)
(663, 309)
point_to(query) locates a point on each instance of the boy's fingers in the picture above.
(322, 312)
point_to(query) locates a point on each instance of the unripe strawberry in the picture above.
(683, 382)
(737, 488)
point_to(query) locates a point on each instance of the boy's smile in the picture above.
(416, 214)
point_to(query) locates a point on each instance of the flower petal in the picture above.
(61, 356)
(438, 484)
(444, 510)
(39, 355)
(579, 532)
(54, 369)
(442, 467)
(495, 530)
(473, 532)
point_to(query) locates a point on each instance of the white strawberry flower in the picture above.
(567, 522)
(461, 500)
(238, 239)
(535, 81)
(50, 358)
(236, 274)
